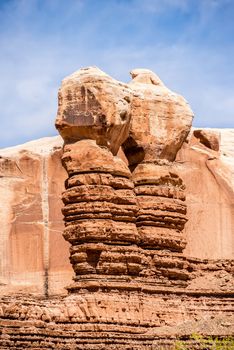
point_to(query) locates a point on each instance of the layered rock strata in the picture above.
(100, 213)
(124, 217)
(160, 123)
(102, 205)
(115, 320)
(208, 176)
(92, 105)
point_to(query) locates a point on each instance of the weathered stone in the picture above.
(160, 226)
(161, 120)
(208, 138)
(92, 105)
(86, 157)
(100, 207)
(34, 255)
(208, 201)
(144, 225)
(209, 179)
(135, 286)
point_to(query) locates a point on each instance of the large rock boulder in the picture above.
(92, 105)
(161, 119)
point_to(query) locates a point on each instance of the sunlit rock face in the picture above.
(136, 284)
(94, 106)
(106, 202)
(32, 180)
(99, 212)
(161, 119)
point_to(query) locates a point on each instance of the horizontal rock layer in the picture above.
(119, 321)
(208, 200)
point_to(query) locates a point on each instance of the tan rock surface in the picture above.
(208, 138)
(209, 180)
(208, 235)
(33, 253)
(118, 321)
(34, 199)
(145, 225)
(161, 119)
(135, 286)
(92, 105)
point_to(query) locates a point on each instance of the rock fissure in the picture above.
(45, 221)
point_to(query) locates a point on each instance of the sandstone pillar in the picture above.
(124, 223)
(161, 121)
(100, 203)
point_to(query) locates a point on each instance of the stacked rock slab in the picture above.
(160, 123)
(160, 221)
(100, 214)
(123, 224)
(100, 203)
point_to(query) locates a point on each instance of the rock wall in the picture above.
(34, 255)
(210, 202)
(134, 321)
(209, 178)
(142, 277)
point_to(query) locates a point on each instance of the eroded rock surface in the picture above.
(161, 119)
(34, 255)
(209, 179)
(136, 284)
(148, 212)
(208, 138)
(92, 105)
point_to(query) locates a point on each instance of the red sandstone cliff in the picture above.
(34, 255)
(142, 276)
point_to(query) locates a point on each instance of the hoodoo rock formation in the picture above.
(104, 202)
(128, 153)
(161, 121)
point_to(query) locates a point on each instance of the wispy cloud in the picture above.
(159, 6)
(184, 41)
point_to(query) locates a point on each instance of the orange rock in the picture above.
(135, 286)
(208, 138)
(92, 105)
(34, 255)
(161, 119)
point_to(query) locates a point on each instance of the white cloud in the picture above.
(159, 6)
(202, 77)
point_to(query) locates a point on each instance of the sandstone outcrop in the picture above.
(208, 176)
(208, 236)
(33, 252)
(160, 123)
(92, 105)
(131, 162)
(146, 212)
(207, 138)
(161, 119)
(100, 209)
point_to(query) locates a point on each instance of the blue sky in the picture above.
(188, 43)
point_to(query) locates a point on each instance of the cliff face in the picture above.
(148, 214)
(35, 257)
(209, 179)
(34, 253)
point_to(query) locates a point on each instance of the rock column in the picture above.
(124, 223)
(160, 221)
(160, 123)
(100, 204)
(100, 213)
